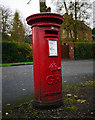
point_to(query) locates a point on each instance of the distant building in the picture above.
(84, 33)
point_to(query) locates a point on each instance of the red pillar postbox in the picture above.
(46, 57)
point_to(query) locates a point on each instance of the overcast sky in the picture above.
(23, 8)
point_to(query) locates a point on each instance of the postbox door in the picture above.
(50, 68)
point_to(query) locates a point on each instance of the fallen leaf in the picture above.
(69, 95)
(79, 100)
(23, 89)
(65, 81)
(8, 104)
(82, 101)
(75, 96)
(55, 117)
(91, 113)
(7, 113)
(25, 73)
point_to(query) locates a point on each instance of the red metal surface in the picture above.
(47, 69)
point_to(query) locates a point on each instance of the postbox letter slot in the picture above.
(51, 32)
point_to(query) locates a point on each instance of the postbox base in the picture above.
(41, 104)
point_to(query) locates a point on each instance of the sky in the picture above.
(22, 6)
(25, 9)
(94, 15)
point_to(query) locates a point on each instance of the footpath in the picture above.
(78, 102)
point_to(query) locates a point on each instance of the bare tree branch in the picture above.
(29, 2)
(65, 7)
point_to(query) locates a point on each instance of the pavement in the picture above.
(17, 81)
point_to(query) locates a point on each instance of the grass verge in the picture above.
(77, 103)
(16, 64)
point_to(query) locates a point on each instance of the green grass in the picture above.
(68, 87)
(69, 101)
(72, 108)
(35, 113)
(25, 103)
(14, 64)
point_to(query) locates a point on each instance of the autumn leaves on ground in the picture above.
(78, 102)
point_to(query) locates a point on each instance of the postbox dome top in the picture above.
(44, 18)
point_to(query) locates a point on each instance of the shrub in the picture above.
(16, 52)
(84, 50)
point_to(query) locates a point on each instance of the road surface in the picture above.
(17, 81)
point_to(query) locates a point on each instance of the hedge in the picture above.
(84, 50)
(16, 52)
(22, 52)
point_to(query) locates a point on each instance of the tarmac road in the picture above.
(17, 81)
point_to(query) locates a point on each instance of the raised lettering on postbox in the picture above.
(53, 67)
(53, 79)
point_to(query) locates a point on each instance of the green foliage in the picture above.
(23, 104)
(31, 100)
(5, 22)
(15, 64)
(29, 108)
(68, 87)
(84, 50)
(72, 108)
(90, 83)
(16, 52)
(35, 113)
(24, 116)
(18, 30)
(69, 101)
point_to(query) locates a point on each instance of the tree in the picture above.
(5, 20)
(18, 30)
(43, 7)
(93, 34)
(78, 9)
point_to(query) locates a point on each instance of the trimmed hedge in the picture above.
(84, 50)
(16, 52)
